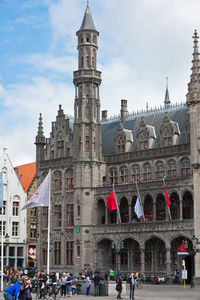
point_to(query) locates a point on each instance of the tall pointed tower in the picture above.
(167, 99)
(39, 142)
(87, 148)
(193, 102)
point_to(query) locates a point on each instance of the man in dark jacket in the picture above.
(96, 283)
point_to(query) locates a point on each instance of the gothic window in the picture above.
(87, 99)
(87, 143)
(44, 217)
(52, 154)
(124, 175)
(57, 181)
(57, 253)
(88, 39)
(143, 145)
(159, 170)
(167, 137)
(81, 61)
(160, 208)
(120, 145)
(175, 206)
(147, 172)
(78, 210)
(185, 167)
(68, 152)
(187, 206)
(136, 173)
(60, 149)
(58, 216)
(70, 215)
(69, 253)
(93, 62)
(148, 208)
(171, 169)
(69, 179)
(143, 140)
(87, 61)
(113, 176)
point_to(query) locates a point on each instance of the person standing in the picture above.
(96, 283)
(132, 285)
(69, 285)
(88, 284)
(63, 282)
(119, 287)
(112, 273)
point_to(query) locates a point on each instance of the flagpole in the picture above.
(139, 198)
(170, 217)
(49, 219)
(117, 204)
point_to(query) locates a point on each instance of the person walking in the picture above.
(88, 285)
(11, 293)
(25, 293)
(119, 287)
(132, 285)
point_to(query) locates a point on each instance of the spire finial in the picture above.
(166, 82)
(87, 2)
(167, 100)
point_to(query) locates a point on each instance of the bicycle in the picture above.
(138, 283)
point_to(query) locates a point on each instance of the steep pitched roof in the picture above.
(26, 174)
(87, 23)
(154, 120)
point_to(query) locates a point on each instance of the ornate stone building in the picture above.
(87, 155)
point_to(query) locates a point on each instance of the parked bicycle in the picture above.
(138, 283)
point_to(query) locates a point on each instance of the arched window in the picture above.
(101, 217)
(69, 179)
(171, 169)
(187, 206)
(123, 175)
(57, 181)
(147, 172)
(175, 206)
(159, 170)
(185, 167)
(148, 208)
(87, 61)
(136, 173)
(160, 208)
(60, 145)
(113, 176)
(124, 210)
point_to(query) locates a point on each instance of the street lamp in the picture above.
(193, 252)
(7, 248)
(117, 252)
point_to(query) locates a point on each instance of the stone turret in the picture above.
(124, 110)
(167, 99)
(40, 143)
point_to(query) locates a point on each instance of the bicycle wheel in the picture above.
(139, 285)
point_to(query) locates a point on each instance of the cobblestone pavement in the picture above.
(148, 292)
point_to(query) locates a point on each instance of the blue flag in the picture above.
(1, 190)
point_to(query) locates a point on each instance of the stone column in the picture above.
(129, 212)
(181, 210)
(106, 216)
(142, 260)
(117, 259)
(168, 261)
(154, 211)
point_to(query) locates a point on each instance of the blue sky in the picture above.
(140, 43)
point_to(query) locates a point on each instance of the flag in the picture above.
(182, 247)
(41, 196)
(138, 209)
(167, 197)
(1, 189)
(111, 202)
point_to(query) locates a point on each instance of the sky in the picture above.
(141, 43)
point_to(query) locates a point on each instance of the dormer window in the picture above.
(171, 169)
(167, 137)
(120, 146)
(143, 145)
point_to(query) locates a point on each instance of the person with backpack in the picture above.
(97, 279)
(132, 285)
(119, 286)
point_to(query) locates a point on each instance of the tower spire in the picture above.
(194, 84)
(167, 100)
(40, 126)
(87, 23)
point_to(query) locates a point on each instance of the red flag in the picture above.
(182, 247)
(110, 202)
(167, 197)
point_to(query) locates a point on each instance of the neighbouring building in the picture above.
(14, 219)
(88, 154)
(27, 176)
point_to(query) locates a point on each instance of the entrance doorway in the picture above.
(188, 266)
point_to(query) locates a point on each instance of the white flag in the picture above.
(138, 208)
(41, 196)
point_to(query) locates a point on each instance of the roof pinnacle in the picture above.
(167, 99)
(40, 126)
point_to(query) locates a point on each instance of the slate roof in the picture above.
(178, 114)
(87, 23)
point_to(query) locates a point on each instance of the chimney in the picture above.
(124, 111)
(104, 115)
